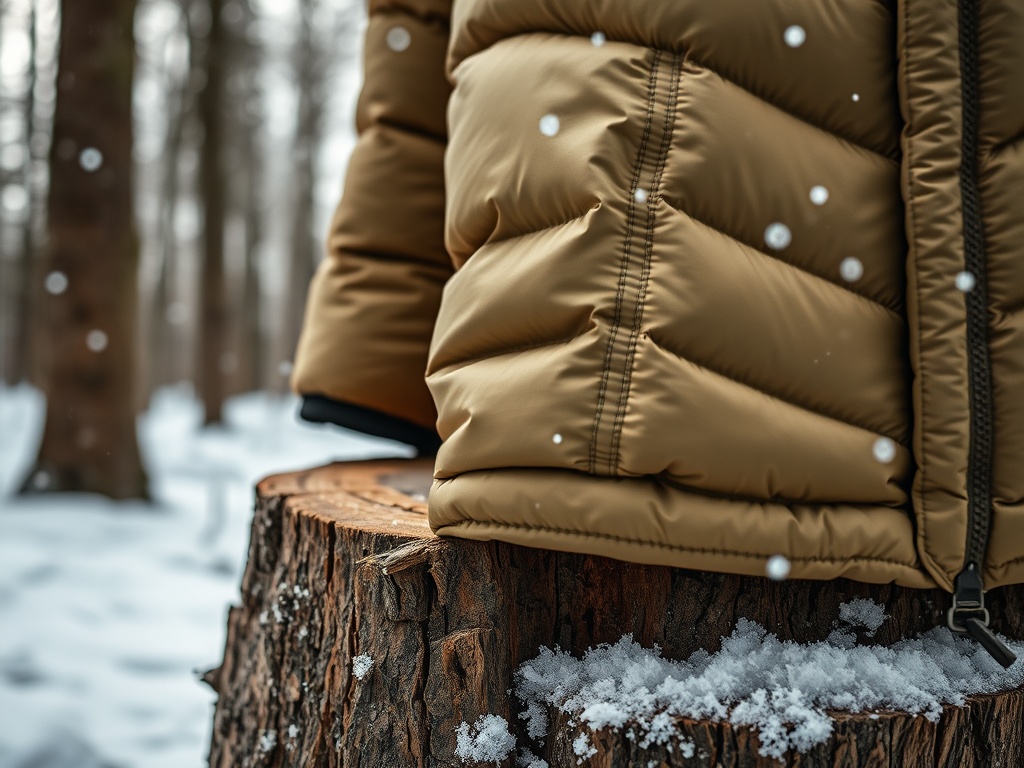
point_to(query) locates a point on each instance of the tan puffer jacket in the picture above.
(693, 283)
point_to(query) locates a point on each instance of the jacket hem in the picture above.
(864, 569)
(323, 410)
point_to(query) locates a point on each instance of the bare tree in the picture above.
(315, 54)
(89, 440)
(165, 313)
(213, 310)
(249, 116)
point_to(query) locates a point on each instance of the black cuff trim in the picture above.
(324, 410)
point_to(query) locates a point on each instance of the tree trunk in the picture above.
(250, 115)
(213, 311)
(342, 563)
(166, 316)
(87, 338)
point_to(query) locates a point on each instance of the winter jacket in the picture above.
(693, 283)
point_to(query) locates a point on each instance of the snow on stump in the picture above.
(363, 640)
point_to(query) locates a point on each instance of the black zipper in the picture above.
(968, 616)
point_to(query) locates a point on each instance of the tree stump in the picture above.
(342, 564)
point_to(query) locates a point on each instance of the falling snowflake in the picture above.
(90, 159)
(851, 269)
(884, 450)
(965, 282)
(795, 36)
(856, 97)
(56, 283)
(557, 439)
(640, 195)
(96, 340)
(819, 195)
(549, 125)
(398, 39)
(777, 568)
(598, 39)
(14, 198)
(778, 236)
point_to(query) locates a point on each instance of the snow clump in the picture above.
(268, 740)
(780, 689)
(526, 759)
(583, 749)
(486, 741)
(361, 665)
(863, 613)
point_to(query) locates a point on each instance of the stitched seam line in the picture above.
(678, 547)
(620, 289)
(778, 258)
(1005, 564)
(717, 372)
(645, 269)
(538, 231)
(674, 481)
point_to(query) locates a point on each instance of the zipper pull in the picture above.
(990, 642)
(969, 616)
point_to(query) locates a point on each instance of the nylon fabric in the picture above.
(689, 292)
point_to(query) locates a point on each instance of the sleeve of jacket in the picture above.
(372, 304)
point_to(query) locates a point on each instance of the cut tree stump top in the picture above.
(342, 564)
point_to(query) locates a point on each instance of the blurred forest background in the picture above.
(167, 172)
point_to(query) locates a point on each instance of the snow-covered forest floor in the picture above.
(107, 609)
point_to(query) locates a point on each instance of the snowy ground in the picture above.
(106, 609)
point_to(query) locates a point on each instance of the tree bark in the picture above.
(342, 563)
(87, 338)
